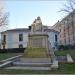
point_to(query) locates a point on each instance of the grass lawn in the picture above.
(63, 69)
(64, 52)
(6, 55)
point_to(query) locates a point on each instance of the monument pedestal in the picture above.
(38, 40)
(38, 45)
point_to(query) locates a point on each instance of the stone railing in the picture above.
(9, 61)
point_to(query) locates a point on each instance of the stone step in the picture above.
(35, 60)
(32, 64)
(30, 68)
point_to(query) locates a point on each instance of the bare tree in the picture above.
(3, 19)
(69, 7)
(3, 14)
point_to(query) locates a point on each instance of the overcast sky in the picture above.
(22, 13)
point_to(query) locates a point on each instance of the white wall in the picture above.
(51, 38)
(12, 39)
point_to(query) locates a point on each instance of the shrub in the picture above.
(66, 47)
(13, 50)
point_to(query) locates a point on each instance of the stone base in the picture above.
(69, 58)
(39, 40)
(34, 64)
(54, 64)
(35, 53)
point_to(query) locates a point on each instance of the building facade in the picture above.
(53, 38)
(14, 38)
(18, 38)
(66, 27)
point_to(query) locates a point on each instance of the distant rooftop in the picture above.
(17, 29)
(51, 30)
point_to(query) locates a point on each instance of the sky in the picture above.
(22, 13)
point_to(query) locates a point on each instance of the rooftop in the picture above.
(17, 29)
(51, 30)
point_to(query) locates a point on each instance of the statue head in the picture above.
(38, 18)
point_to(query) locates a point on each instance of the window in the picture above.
(4, 38)
(60, 30)
(20, 46)
(3, 46)
(65, 41)
(55, 38)
(20, 37)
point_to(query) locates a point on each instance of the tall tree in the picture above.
(3, 16)
(69, 6)
(4, 19)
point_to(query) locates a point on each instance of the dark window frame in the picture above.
(4, 38)
(56, 39)
(20, 37)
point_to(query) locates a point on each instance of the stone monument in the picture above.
(37, 37)
(37, 40)
(38, 55)
(38, 44)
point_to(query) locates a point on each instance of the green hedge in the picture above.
(12, 50)
(66, 47)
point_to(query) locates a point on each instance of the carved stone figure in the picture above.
(37, 25)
